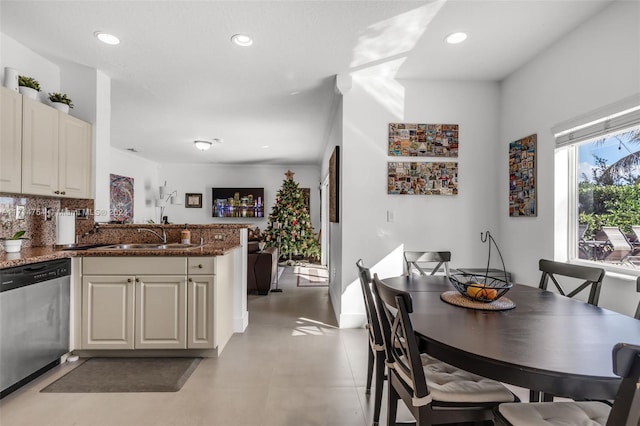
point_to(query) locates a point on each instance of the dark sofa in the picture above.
(262, 267)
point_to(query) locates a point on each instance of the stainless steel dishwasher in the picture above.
(34, 320)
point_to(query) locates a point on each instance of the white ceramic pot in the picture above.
(61, 106)
(12, 246)
(28, 92)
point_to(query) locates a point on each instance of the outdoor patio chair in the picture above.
(635, 230)
(624, 412)
(418, 261)
(637, 315)
(620, 250)
(590, 249)
(433, 391)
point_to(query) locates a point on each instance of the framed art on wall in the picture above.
(422, 178)
(193, 200)
(121, 198)
(334, 184)
(522, 177)
(423, 140)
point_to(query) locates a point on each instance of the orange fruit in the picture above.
(474, 290)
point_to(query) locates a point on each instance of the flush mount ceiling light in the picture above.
(242, 40)
(106, 38)
(456, 38)
(203, 145)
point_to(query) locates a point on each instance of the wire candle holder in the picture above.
(485, 287)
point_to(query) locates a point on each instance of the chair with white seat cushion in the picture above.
(637, 315)
(624, 412)
(434, 392)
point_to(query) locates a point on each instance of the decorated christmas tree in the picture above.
(290, 221)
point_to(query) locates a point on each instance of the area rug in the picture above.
(103, 375)
(312, 276)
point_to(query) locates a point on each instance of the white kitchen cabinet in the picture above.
(107, 312)
(161, 312)
(10, 141)
(200, 312)
(56, 152)
(74, 173)
(176, 302)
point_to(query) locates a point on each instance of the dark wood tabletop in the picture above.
(549, 342)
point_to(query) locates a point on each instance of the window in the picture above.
(603, 198)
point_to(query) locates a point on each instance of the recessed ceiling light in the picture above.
(295, 92)
(204, 145)
(107, 38)
(265, 146)
(456, 38)
(242, 40)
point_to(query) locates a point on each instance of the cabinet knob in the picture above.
(128, 280)
(63, 192)
(56, 192)
(200, 266)
(137, 280)
(190, 280)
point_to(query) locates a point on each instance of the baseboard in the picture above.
(241, 324)
(352, 320)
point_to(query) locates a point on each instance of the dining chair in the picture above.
(433, 391)
(376, 343)
(624, 412)
(421, 260)
(592, 278)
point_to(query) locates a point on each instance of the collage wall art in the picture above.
(423, 177)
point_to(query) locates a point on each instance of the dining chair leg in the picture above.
(392, 404)
(369, 371)
(379, 386)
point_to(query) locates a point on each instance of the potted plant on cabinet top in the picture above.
(60, 101)
(28, 86)
(14, 243)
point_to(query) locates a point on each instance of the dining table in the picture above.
(547, 342)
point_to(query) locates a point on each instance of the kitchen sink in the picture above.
(147, 246)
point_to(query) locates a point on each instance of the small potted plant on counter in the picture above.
(13, 244)
(60, 101)
(28, 86)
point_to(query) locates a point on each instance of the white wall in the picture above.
(596, 64)
(200, 178)
(145, 182)
(28, 63)
(421, 222)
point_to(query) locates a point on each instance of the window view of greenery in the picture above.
(609, 199)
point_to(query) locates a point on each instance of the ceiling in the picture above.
(176, 76)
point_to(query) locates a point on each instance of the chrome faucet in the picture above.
(163, 237)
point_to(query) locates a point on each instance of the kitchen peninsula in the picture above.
(135, 292)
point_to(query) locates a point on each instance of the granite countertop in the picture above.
(43, 254)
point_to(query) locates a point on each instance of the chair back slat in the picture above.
(375, 333)
(626, 406)
(400, 342)
(418, 260)
(592, 278)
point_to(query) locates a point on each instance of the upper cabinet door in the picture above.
(10, 140)
(75, 157)
(40, 125)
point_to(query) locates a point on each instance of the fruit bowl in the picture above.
(480, 288)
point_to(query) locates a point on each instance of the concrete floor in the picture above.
(292, 366)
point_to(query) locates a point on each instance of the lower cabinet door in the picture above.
(200, 296)
(161, 312)
(107, 312)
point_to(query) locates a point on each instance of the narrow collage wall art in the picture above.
(121, 198)
(522, 177)
(422, 177)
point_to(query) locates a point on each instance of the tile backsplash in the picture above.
(29, 213)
